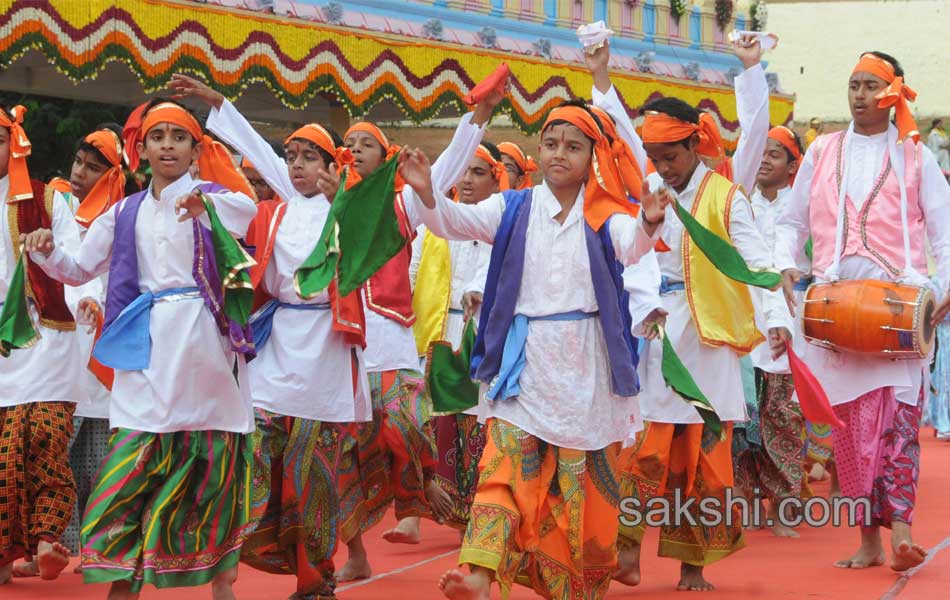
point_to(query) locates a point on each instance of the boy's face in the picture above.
(263, 191)
(674, 162)
(4, 151)
(862, 88)
(477, 183)
(367, 152)
(515, 177)
(776, 168)
(86, 170)
(169, 150)
(304, 165)
(565, 155)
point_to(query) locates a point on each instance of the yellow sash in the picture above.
(432, 294)
(721, 307)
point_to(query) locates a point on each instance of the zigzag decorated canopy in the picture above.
(299, 60)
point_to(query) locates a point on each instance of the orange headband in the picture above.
(661, 128)
(214, 162)
(626, 162)
(110, 187)
(20, 148)
(524, 162)
(604, 193)
(498, 171)
(896, 94)
(372, 130)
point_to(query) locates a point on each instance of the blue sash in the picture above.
(126, 344)
(262, 321)
(505, 384)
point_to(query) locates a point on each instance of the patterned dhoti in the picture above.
(390, 459)
(460, 440)
(37, 493)
(294, 501)
(544, 516)
(670, 457)
(775, 467)
(170, 509)
(878, 455)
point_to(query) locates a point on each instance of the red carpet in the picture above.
(767, 568)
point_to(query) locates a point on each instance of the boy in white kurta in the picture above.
(171, 506)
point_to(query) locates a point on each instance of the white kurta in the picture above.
(715, 369)
(190, 384)
(48, 371)
(301, 370)
(844, 375)
(752, 108)
(95, 401)
(766, 216)
(566, 397)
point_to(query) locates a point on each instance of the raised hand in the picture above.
(789, 278)
(653, 207)
(184, 86)
(417, 172)
(597, 64)
(485, 108)
(328, 182)
(190, 206)
(748, 49)
(39, 241)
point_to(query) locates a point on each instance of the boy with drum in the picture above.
(868, 197)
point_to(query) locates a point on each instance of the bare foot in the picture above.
(51, 559)
(354, 568)
(907, 555)
(628, 567)
(26, 569)
(862, 559)
(692, 580)
(456, 586)
(6, 573)
(222, 586)
(77, 569)
(405, 532)
(121, 590)
(778, 526)
(782, 530)
(439, 502)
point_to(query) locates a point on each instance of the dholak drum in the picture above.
(872, 317)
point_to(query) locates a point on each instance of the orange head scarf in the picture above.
(389, 149)
(623, 155)
(524, 162)
(498, 171)
(110, 187)
(214, 161)
(896, 94)
(604, 193)
(785, 136)
(60, 185)
(321, 138)
(20, 148)
(661, 128)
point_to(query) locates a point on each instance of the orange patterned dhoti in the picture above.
(544, 516)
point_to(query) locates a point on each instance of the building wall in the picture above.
(819, 44)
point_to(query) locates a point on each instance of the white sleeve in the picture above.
(611, 104)
(90, 260)
(642, 282)
(752, 106)
(752, 246)
(452, 163)
(463, 222)
(935, 203)
(231, 126)
(235, 210)
(792, 227)
(631, 242)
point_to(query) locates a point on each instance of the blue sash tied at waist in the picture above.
(262, 321)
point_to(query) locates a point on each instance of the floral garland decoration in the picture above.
(723, 13)
(760, 15)
(677, 8)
